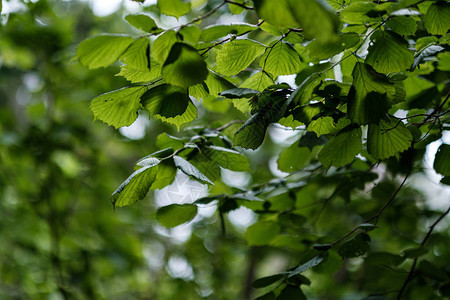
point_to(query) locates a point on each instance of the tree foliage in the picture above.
(367, 94)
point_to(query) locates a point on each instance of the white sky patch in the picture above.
(179, 234)
(12, 6)
(103, 8)
(242, 217)
(182, 190)
(178, 267)
(135, 131)
(437, 194)
(154, 255)
(283, 136)
(289, 79)
(236, 179)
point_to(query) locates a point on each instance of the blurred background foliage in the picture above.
(61, 239)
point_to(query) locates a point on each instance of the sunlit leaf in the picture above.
(118, 108)
(402, 25)
(175, 8)
(103, 50)
(142, 22)
(136, 186)
(437, 18)
(215, 32)
(280, 59)
(258, 81)
(389, 52)
(388, 138)
(319, 50)
(342, 148)
(237, 55)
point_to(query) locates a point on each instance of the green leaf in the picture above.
(277, 12)
(169, 103)
(316, 260)
(371, 95)
(267, 296)
(188, 169)
(175, 8)
(320, 50)
(184, 66)
(403, 25)
(294, 158)
(138, 76)
(323, 125)
(135, 187)
(217, 84)
(165, 140)
(102, 50)
(280, 59)
(310, 140)
(442, 160)
(176, 214)
(236, 9)
(261, 233)
(239, 93)
(425, 52)
(251, 134)
(444, 61)
(229, 159)
(388, 138)
(356, 13)
(166, 100)
(355, 247)
(136, 59)
(237, 55)
(437, 18)
(163, 45)
(143, 22)
(428, 269)
(190, 35)
(137, 55)
(291, 292)
(342, 148)
(389, 52)
(266, 281)
(304, 93)
(316, 18)
(215, 32)
(165, 174)
(118, 108)
(414, 252)
(258, 81)
(383, 258)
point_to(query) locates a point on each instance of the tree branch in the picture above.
(377, 215)
(425, 239)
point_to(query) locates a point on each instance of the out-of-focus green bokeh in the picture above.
(60, 237)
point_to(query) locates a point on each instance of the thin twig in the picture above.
(239, 4)
(229, 124)
(378, 214)
(425, 239)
